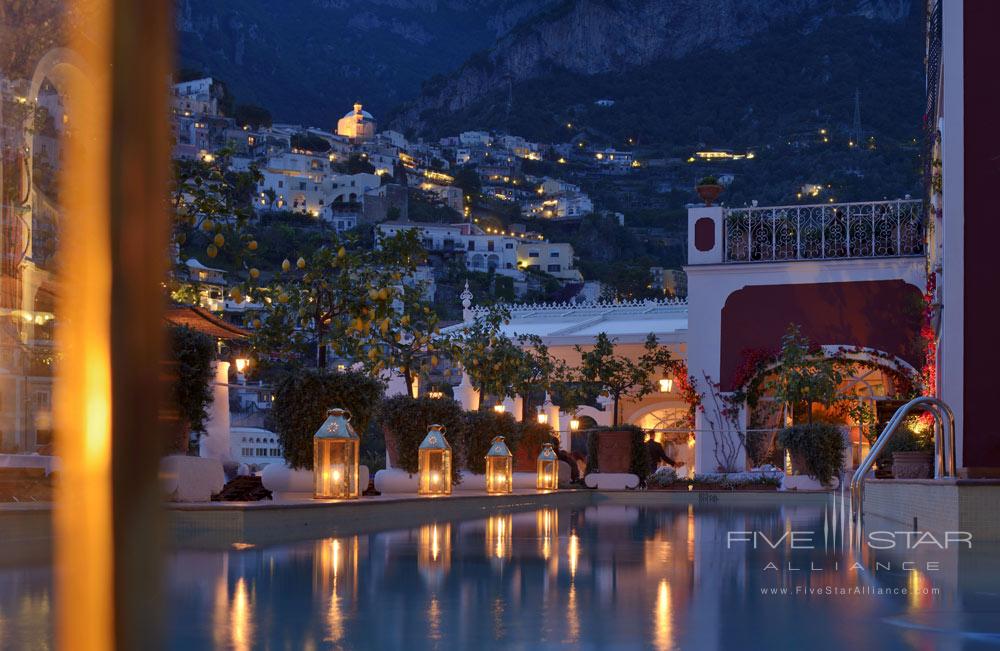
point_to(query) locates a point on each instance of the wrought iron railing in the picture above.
(874, 229)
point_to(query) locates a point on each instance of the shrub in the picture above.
(905, 439)
(479, 430)
(407, 419)
(302, 400)
(663, 477)
(820, 445)
(708, 180)
(531, 434)
(639, 465)
(191, 355)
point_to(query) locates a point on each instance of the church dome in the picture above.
(358, 111)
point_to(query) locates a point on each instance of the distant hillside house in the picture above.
(357, 125)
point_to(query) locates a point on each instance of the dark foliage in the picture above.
(408, 419)
(821, 446)
(302, 400)
(191, 355)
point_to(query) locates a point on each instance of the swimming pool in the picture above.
(606, 576)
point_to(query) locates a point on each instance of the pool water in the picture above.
(611, 576)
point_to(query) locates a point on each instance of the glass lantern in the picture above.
(335, 457)
(434, 463)
(548, 469)
(499, 468)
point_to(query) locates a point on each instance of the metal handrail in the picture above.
(944, 446)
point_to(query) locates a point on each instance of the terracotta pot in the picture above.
(526, 459)
(708, 193)
(391, 448)
(912, 465)
(614, 451)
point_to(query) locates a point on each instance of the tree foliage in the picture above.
(619, 376)
(803, 375)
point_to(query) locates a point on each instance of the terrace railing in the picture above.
(873, 229)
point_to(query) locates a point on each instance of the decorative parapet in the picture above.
(598, 307)
(873, 229)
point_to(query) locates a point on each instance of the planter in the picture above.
(708, 193)
(526, 459)
(912, 465)
(614, 451)
(391, 448)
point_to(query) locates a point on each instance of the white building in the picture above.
(305, 183)
(357, 125)
(196, 97)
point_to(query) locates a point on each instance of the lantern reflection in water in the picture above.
(335, 457)
(434, 551)
(499, 536)
(547, 525)
(434, 463)
(232, 621)
(499, 468)
(663, 632)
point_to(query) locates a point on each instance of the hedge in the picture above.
(820, 445)
(408, 419)
(639, 464)
(302, 400)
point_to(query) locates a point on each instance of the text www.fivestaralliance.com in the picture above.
(839, 591)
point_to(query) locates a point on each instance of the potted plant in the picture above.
(189, 374)
(618, 449)
(911, 450)
(620, 377)
(708, 189)
(302, 399)
(404, 421)
(816, 448)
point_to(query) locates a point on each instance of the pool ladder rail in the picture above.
(944, 446)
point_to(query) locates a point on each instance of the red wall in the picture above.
(884, 315)
(982, 233)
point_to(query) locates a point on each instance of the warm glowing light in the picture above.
(499, 408)
(663, 626)
(666, 385)
(241, 364)
(574, 424)
(574, 553)
(543, 418)
(691, 441)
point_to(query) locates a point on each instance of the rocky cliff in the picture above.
(589, 37)
(309, 60)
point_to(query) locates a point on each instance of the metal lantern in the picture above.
(548, 469)
(335, 457)
(499, 468)
(434, 463)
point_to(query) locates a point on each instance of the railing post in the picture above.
(798, 233)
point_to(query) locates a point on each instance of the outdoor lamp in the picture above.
(548, 469)
(543, 418)
(666, 385)
(574, 424)
(499, 408)
(241, 364)
(434, 463)
(335, 457)
(435, 394)
(499, 468)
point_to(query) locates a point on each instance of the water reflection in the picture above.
(599, 577)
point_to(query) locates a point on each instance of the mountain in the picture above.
(580, 51)
(308, 61)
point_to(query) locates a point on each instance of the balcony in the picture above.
(874, 229)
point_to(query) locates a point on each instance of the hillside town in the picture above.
(362, 177)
